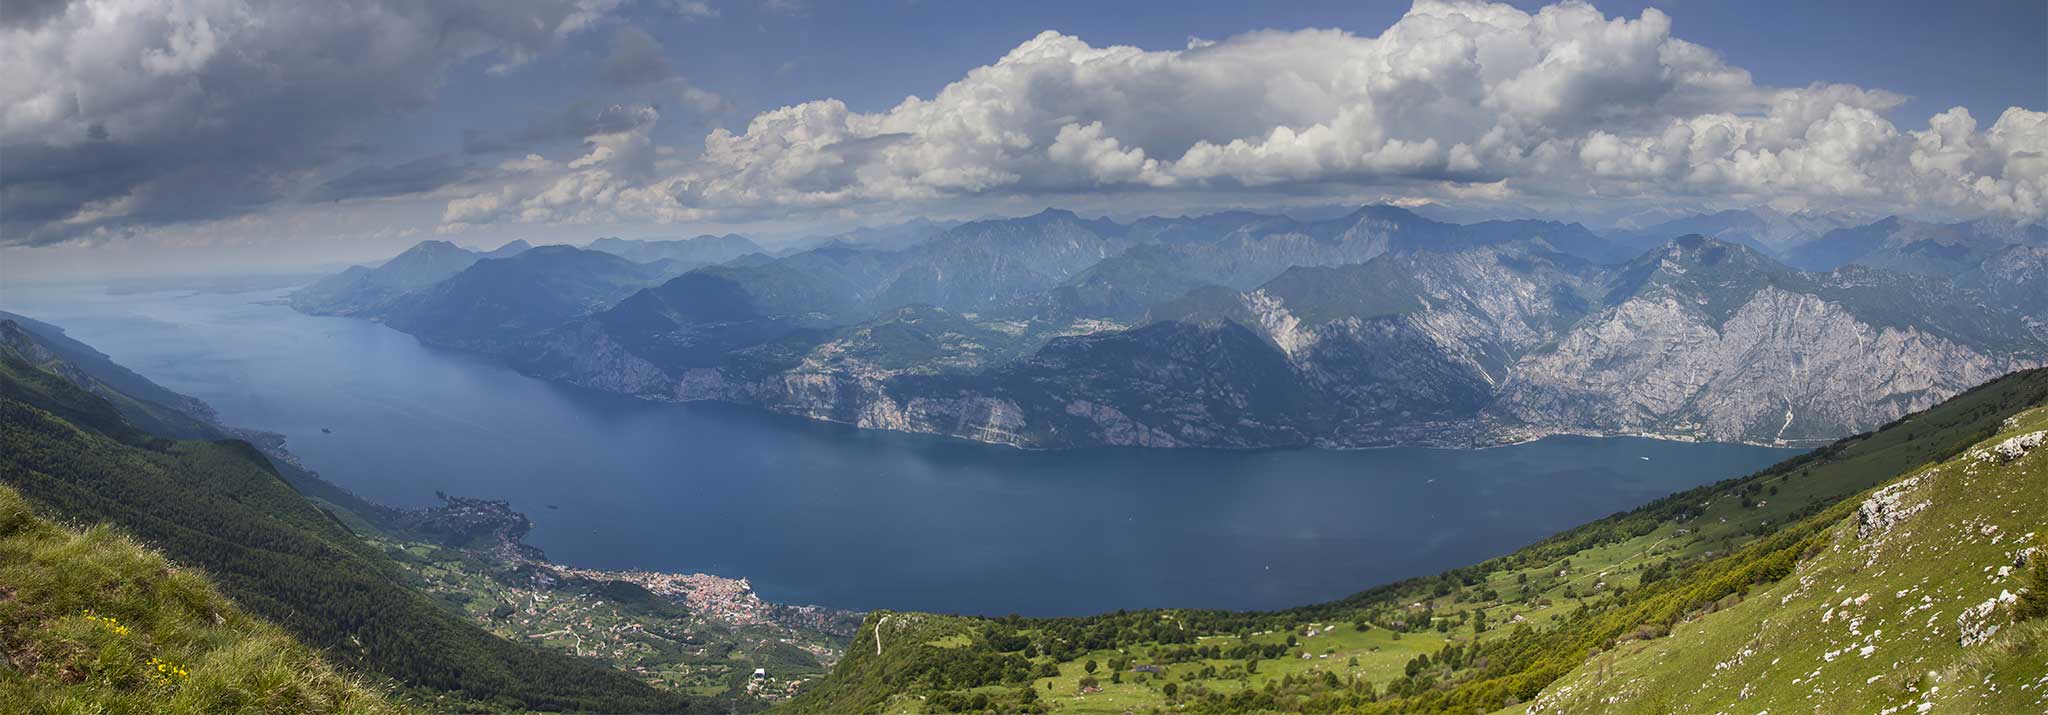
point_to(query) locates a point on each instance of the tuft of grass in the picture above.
(93, 622)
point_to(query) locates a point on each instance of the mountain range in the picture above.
(1243, 329)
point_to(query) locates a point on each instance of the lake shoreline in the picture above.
(831, 514)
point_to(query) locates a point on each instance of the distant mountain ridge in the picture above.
(362, 290)
(1700, 339)
(496, 300)
(1241, 329)
(1824, 242)
(691, 252)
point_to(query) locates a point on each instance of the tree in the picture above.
(1088, 681)
(1090, 666)
(1116, 676)
(1479, 621)
(1170, 689)
(2033, 601)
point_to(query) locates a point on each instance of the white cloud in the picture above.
(1561, 104)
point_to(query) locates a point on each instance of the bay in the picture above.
(828, 514)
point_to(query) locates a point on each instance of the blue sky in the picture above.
(1982, 54)
(190, 127)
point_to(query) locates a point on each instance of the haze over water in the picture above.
(828, 514)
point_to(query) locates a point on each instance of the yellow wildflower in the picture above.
(164, 672)
(108, 622)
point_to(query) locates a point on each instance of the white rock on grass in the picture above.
(1887, 507)
(1976, 622)
(2013, 447)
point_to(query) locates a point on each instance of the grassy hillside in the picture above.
(1910, 603)
(93, 622)
(1479, 638)
(221, 506)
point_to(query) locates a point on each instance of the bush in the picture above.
(2033, 601)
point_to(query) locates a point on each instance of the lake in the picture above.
(828, 514)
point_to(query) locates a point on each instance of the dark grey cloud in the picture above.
(29, 13)
(635, 75)
(411, 177)
(178, 110)
(573, 124)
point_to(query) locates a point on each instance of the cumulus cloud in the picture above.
(620, 173)
(121, 113)
(1560, 104)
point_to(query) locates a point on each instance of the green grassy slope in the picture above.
(92, 622)
(222, 507)
(1906, 605)
(1494, 634)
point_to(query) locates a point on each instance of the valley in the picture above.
(1590, 609)
(872, 357)
(355, 577)
(818, 513)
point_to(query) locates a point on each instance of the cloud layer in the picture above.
(118, 113)
(1564, 104)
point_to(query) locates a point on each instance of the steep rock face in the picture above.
(1216, 383)
(1241, 330)
(1698, 340)
(1785, 367)
(1412, 339)
(585, 354)
(2016, 279)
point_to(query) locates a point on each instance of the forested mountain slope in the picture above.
(222, 507)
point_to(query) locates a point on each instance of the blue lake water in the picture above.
(827, 514)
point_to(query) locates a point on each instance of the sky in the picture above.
(165, 136)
